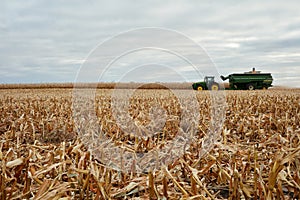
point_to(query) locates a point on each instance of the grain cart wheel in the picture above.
(214, 86)
(199, 88)
(250, 87)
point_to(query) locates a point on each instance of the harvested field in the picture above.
(256, 157)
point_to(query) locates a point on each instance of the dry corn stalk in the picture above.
(42, 158)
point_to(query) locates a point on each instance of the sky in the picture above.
(55, 41)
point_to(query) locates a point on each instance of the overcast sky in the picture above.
(48, 41)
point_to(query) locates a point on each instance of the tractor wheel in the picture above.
(250, 87)
(214, 86)
(199, 88)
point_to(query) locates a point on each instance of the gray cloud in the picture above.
(47, 41)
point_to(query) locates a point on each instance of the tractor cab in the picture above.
(209, 80)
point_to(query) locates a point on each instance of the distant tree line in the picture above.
(131, 85)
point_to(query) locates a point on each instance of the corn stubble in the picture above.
(257, 156)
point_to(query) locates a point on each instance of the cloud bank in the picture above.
(47, 41)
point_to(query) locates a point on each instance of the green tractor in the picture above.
(208, 84)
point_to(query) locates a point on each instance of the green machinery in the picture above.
(208, 84)
(249, 80)
(243, 81)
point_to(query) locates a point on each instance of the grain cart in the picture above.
(208, 84)
(249, 80)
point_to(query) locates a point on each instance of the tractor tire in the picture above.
(214, 86)
(250, 87)
(199, 88)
